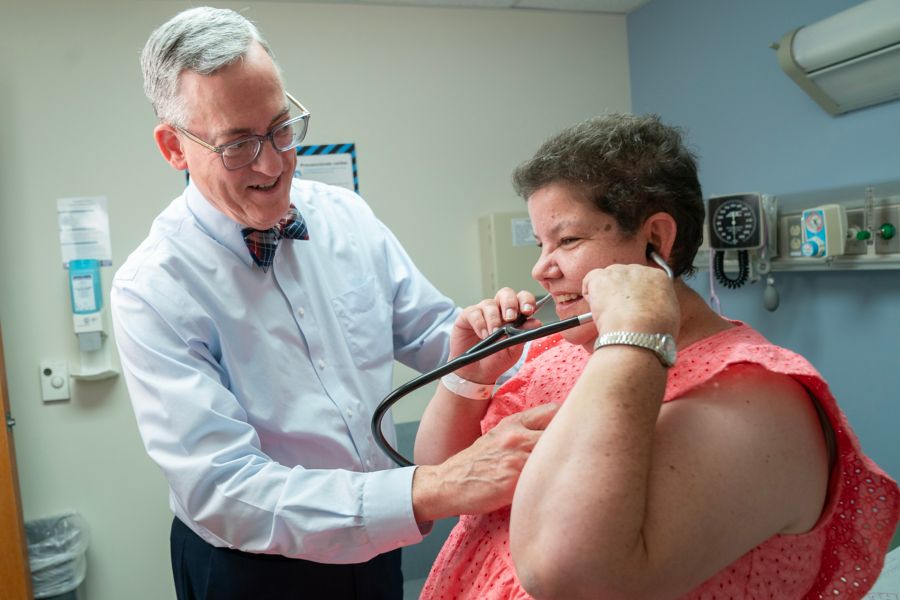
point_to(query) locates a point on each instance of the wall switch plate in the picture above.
(54, 380)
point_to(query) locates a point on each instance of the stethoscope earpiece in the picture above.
(659, 260)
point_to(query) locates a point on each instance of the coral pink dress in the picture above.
(840, 557)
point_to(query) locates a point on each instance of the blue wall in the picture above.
(706, 66)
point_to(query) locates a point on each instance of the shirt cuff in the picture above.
(387, 504)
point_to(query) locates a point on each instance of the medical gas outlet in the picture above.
(887, 231)
(828, 232)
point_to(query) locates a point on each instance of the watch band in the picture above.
(661, 344)
(467, 389)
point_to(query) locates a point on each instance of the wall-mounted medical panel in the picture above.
(853, 228)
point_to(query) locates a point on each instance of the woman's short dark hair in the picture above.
(630, 167)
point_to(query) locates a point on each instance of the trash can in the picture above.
(56, 555)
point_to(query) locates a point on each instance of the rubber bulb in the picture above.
(770, 296)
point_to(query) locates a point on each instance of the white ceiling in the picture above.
(601, 6)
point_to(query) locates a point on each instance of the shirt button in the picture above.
(321, 364)
(349, 413)
(368, 462)
(300, 311)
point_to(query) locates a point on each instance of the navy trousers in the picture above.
(204, 572)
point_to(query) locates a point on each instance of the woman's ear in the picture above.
(660, 229)
(169, 145)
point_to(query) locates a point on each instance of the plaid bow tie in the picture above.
(262, 243)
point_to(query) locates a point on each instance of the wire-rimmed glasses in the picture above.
(240, 153)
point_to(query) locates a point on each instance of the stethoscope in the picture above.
(500, 339)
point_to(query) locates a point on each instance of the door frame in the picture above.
(14, 571)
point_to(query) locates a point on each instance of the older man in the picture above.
(257, 326)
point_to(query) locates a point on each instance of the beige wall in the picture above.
(441, 103)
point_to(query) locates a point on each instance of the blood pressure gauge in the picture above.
(735, 222)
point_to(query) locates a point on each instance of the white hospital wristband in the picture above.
(467, 389)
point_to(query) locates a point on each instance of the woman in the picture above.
(730, 473)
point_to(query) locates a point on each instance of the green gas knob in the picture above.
(887, 231)
(863, 234)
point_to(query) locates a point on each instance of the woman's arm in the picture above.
(626, 498)
(451, 422)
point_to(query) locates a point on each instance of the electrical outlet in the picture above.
(54, 380)
(790, 236)
(891, 215)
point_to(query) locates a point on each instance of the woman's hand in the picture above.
(632, 298)
(480, 320)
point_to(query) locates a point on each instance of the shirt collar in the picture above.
(216, 224)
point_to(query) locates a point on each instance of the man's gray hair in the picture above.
(202, 40)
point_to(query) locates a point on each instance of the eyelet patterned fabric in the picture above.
(840, 557)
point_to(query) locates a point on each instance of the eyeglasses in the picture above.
(240, 153)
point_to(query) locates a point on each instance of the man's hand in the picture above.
(482, 477)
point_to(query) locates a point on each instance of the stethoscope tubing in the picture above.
(511, 335)
(482, 349)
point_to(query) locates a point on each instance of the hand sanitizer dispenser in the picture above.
(87, 303)
(86, 293)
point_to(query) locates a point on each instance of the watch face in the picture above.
(668, 350)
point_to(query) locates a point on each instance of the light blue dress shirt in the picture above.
(254, 391)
